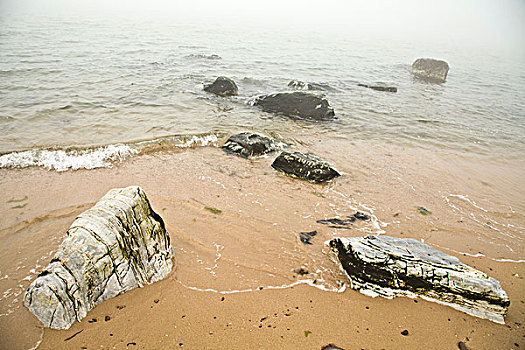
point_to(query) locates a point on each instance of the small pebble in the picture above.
(222, 299)
(107, 318)
(93, 320)
(462, 346)
(181, 345)
(156, 301)
(211, 332)
(405, 332)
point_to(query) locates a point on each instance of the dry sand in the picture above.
(477, 209)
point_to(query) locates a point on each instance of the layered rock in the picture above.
(116, 246)
(305, 166)
(430, 69)
(390, 267)
(222, 86)
(379, 87)
(249, 145)
(297, 104)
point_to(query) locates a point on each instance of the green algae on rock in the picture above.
(389, 267)
(116, 246)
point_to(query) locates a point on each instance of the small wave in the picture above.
(62, 160)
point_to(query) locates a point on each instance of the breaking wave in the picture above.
(103, 156)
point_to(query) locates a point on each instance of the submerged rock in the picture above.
(305, 166)
(390, 267)
(222, 86)
(301, 85)
(297, 104)
(379, 87)
(249, 145)
(116, 246)
(430, 69)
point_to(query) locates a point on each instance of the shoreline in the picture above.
(477, 215)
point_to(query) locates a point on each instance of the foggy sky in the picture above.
(488, 23)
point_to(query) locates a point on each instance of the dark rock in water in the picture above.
(430, 69)
(301, 271)
(331, 347)
(114, 247)
(389, 267)
(379, 87)
(206, 57)
(249, 145)
(361, 216)
(307, 236)
(222, 86)
(337, 223)
(301, 85)
(297, 104)
(305, 166)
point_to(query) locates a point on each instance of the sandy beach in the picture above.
(235, 282)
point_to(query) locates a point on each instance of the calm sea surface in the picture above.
(69, 83)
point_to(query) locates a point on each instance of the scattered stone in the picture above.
(74, 335)
(361, 216)
(462, 346)
(107, 318)
(389, 267)
(116, 246)
(430, 69)
(156, 301)
(222, 299)
(405, 332)
(379, 87)
(249, 145)
(307, 236)
(331, 347)
(301, 85)
(132, 343)
(301, 271)
(305, 166)
(424, 211)
(297, 104)
(222, 86)
(93, 320)
(120, 307)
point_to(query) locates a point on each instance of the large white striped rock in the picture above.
(116, 246)
(389, 267)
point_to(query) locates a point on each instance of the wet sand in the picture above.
(248, 252)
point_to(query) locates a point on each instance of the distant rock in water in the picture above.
(379, 87)
(390, 267)
(249, 145)
(206, 57)
(297, 104)
(305, 166)
(430, 69)
(222, 86)
(301, 85)
(116, 246)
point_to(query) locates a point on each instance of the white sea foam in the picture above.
(60, 160)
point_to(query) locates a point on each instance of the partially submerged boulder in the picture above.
(305, 166)
(248, 145)
(430, 69)
(301, 85)
(390, 267)
(116, 246)
(222, 86)
(379, 87)
(297, 104)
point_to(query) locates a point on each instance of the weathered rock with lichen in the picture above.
(389, 267)
(430, 69)
(305, 166)
(116, 246)
(297, 104)
(247, 145)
